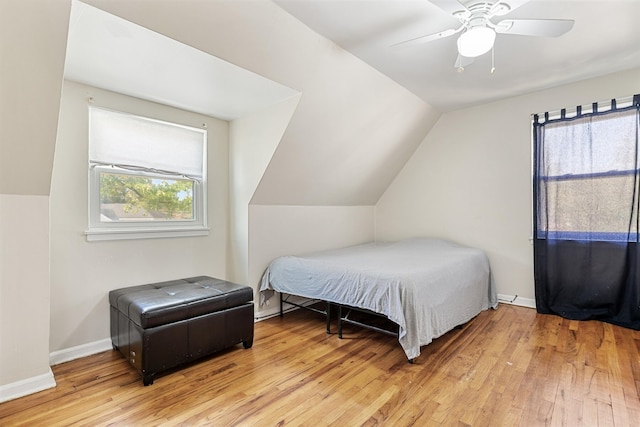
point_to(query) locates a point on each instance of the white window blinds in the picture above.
(129, 141)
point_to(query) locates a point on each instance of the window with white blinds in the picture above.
(147, 177)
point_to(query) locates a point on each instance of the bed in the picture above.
(426, 286)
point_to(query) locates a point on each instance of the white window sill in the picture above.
(102, 234)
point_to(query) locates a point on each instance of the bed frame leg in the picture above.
(340, 321)
(411, 361)
(281, 305)
(328, 317)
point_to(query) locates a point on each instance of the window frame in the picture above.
(144, 229)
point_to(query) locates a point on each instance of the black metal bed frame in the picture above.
(343, 318)
(326, 312)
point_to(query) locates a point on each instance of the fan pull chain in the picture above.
(493, 66)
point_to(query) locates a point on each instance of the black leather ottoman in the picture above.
(163, 325)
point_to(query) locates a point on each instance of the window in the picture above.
(587, 177)
(586, 256)
(147, 178)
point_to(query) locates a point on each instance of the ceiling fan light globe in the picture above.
(476, 41)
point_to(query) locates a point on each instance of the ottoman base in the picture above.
(158, 348)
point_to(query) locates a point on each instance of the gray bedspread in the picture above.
(426, 286)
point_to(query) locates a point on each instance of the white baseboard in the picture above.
(42, 382)
(68, 354)
(516, 300)
(267, 313)
(272, 307)
(27, 386)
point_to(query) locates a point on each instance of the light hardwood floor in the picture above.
(509, 366)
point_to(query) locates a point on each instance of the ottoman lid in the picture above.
(167, 302)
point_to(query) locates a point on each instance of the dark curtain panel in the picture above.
(586, 186)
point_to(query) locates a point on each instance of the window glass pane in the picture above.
(577, 207)
(125, 197)
(594, 144)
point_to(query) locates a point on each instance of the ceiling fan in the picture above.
(479, 31)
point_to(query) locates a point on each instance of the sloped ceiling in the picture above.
(354, 128)
(112, 53)
(32, 45)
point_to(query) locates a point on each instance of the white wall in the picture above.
(470, 180)
(32, 45)
(252, 141)
(82, 273)
(33, 38)
(24, 292)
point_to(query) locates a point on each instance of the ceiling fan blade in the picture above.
(534, 27)
(449, 6)
(427, 38)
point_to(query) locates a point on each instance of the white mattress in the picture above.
(426, 286)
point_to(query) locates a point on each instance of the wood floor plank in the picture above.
(509, 366)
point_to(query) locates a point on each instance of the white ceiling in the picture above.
(604, 39)
(112, 53)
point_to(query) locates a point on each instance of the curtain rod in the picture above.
(602, 106)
